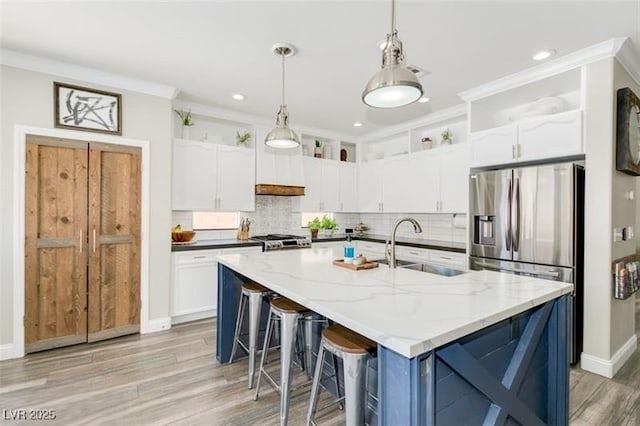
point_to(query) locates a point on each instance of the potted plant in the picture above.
(317, 151)
(243, 139)
(314, 225)
(328, 224)
(447, 137)
(187, 121)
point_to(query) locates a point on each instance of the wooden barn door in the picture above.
(55, 243)
(114, 224)
(82, 242)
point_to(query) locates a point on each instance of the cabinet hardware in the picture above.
(445, 257)
(94, 240)
(80, 241)
(200, 257)
(518, 151)
(513, 152)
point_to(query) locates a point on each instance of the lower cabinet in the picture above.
(194, 283)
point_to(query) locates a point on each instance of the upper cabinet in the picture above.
(535, 121)
(277, 166)
(212, 171)
(330, 186)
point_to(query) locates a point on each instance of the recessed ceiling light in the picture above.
(543, 54)
(238, 97)
(357, 124)
(424, 100)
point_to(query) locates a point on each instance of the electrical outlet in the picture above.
(627, 233)
(617, 234)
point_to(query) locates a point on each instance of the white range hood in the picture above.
(278, 171)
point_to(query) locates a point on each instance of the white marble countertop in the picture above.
(408, 311)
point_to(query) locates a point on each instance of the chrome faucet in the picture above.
(416, 227)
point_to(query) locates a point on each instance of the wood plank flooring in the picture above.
(172, 378)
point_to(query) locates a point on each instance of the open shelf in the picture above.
(214, 130)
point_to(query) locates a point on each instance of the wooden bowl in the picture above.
(182, 236)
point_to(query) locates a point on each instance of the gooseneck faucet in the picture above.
(416, 227)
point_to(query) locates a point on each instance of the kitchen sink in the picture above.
(399, 262)
(434, 269)
(423, 267)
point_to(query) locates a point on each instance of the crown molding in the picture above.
(44, 65)
(605, 49)
(458, 111)
(629, 57)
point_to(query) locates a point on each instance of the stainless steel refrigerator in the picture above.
(530, 221)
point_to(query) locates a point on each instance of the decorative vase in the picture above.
(314, 233)
(186, 132)
(317, 152)
(446, 142)
(427, 143)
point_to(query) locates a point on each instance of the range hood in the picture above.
(278, 171)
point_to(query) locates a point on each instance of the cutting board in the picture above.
(366, 265)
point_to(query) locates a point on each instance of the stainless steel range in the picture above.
(282, 242)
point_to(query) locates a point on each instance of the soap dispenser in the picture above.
(349, 251)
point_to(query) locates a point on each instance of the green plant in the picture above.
(328, 223)
(186, 118)
(243, 138)
(318, 144)
(447, 135)
(314, 224)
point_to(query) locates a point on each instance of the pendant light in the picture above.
(394, 85)
(282, 136)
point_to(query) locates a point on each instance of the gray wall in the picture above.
(608, 323)
(27, 99)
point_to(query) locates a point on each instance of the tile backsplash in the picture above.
(275, 215)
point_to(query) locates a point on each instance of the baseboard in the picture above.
(179, 319)
(609, 367)
(7, 352)
(158, 324)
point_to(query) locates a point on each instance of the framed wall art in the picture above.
(82, 108)
(628, 133)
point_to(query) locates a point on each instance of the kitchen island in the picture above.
(477, 347)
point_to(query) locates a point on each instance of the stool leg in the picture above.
(315, 386)
(288, 330)
(308, 338)
(336, 377)
(355, 369)
(265, 350)
(255, 303)
(239, 319)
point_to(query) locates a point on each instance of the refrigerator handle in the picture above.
(516, 224)
(507, 233)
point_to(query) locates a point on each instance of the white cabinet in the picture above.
(208, 176)
(348, 187)
(370, 178)
(322, 186)
(195, 282)
(551, 136)
(448, 258)
(276, 166)
(397, 188)
(559, 135)
(494, 146)
(454, 176)
(424, 170)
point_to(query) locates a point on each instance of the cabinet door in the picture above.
(559, 135)
(370, 187)
(195, 177)
(448, 258)
(397, 191)
(330, 186)
(454, 177)
(495, 146)
(195, 282)
(236, 179)
(348, 187)
(312, 199)
(424, 172)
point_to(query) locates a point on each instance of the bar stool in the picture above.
(252, 294)
(355, 350)
(289, 313)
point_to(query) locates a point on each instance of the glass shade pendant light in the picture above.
(394, 85)
(282, 136)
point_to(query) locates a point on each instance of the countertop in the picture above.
(229, 243)
(407, 311)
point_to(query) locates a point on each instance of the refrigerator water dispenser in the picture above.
(483, 230)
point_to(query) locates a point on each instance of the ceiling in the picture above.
(210, 50)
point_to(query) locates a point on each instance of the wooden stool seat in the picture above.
(347, 340)
(284, 305)
(252, 287)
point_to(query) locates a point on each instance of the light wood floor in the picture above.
(173, 378)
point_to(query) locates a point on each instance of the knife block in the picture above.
(243, 234)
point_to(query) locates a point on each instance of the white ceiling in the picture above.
(210, 50)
